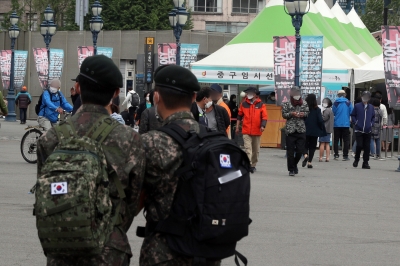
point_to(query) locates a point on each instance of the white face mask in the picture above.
(53, 90)
(273, 98)
(296, 97)
(250, 96)
(148, 98)
(208, 105)
(324, 105)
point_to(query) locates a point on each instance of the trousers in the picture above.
(252, 148)
(22, 114)
(341, 133)
(294, 143)
(363, 142)
(311, 144)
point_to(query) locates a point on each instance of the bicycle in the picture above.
(29, 141)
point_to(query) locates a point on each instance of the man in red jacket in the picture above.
(253, 114)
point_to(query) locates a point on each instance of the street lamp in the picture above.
(48, 29)
(178, 18)
(13, 32)
(96, 23)
(297, 9)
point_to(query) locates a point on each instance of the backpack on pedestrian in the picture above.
(210, 212)
(38, 106)
(74, 212)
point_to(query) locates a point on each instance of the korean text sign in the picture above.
(391, 62)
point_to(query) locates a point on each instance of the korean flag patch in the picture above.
(59, 188)
(225, 161)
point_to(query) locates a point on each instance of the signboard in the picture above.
(20, 63)
(284, 67)
(166, 54)
(311, 51)
(56, 63)
(148, 59)
(86, 51)
(391, 63)
(189, 54)
(42, 66)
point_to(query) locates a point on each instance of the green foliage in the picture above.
(373, 17)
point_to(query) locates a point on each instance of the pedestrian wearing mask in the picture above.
(315, 128)
(207, 113)
(253, 115)
(132, 100)
(295, 111)
(234, 112)
(325, 142)
(23, 100)
(216, 96)
(363, 117)
(271, 98)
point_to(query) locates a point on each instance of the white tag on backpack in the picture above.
(59, 188)
(225, 161)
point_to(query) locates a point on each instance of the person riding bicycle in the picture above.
(53, 104)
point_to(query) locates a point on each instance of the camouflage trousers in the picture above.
(109, 257)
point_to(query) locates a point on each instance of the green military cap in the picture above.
(101, 70)
(176, 78)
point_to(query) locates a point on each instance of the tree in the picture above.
(19, 9)
(373, 17)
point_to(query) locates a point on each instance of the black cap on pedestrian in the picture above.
(101, 70)
(251, 89)
(176, 78)
(216, 87)
(75, 79)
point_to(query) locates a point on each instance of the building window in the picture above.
(209, 6)
(247, 6)
(227, 27)
(31, 20)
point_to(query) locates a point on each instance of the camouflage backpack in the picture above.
(74, 213)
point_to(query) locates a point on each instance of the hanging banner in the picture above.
(5, 67)
(284, 67)
(56, 63)
(86, 51)
(42, 64)
(391, 62)
(166, 54)
(20, 62)
(311, 51)
(189, 54)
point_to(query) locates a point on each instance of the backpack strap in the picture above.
(176, 132)
(65, 130)
(105, 125)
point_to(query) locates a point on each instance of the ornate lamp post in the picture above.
(48, 29)
(13, 32)
(297, 9)
(178, 18)
(96, 23)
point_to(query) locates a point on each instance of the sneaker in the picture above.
(336, 157)
(389, 156)
(366, 166)
(291, 173)
(304, 163)
(355, 164)
(381, 159)
(346, 158)
(296, 170)
(252, 170)
(353, 154)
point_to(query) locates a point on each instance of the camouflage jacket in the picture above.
(294, 124)
(124, 154)
(163, 158)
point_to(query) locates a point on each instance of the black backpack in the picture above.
(39, 104)
(210, 212)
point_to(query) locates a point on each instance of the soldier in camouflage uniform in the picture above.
(295, 111)
(173, 97)
(100, 80)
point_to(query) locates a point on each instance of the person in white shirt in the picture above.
(132, 99)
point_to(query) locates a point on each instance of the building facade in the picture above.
(230, 16)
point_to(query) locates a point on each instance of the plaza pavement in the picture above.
(332, 214)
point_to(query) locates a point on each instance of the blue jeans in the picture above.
(377, 143)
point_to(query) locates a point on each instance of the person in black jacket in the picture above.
(148, 119)
(234, 112)
(76, 95)
(315, 128)
(144, 105)
(207, 113)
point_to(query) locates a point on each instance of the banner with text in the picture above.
(42, 64)
(166, 54)
(391, 62)
(284, 67)
(20, 63)
(86, 51)
(189, 53)
(311, 53)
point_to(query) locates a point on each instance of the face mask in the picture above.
(148, 98)
(296, 97)
(324, 105)
(208, 105)
(250, 96)
(53, 90)
(234, 100)
(273, 98)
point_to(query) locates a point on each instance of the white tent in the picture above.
(370, 71)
